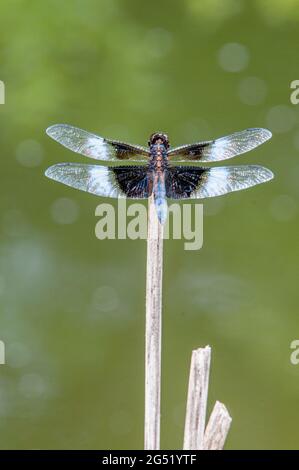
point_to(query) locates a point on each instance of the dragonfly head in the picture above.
(159, 138)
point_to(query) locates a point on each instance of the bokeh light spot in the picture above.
(158, 42)
(104, 299)
(29, 153)
(64, 211)
(233, 57)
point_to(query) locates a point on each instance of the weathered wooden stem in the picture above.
(197, 399)
(196, 437)
(217, 428)
(153, 326)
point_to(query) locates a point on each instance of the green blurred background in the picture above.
(72, 307)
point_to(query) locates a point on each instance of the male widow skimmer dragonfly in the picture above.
(158, 173)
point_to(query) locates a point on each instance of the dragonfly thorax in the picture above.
(159, 160)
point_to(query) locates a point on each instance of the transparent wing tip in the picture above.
(264, 134)
(51, 131)
(268, 134)
(51, 172)
(265, 174)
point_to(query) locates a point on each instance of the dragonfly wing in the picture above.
(197, 183)
(221, 149)
(94, 146)
(134, 181)
(117, 182)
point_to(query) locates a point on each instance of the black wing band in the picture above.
(133, 181)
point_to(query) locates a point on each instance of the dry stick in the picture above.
(217, 428)
(153, 329)
(197, 399)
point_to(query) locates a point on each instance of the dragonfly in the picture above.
(161, 172)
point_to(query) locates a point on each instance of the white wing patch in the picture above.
(223, 180)
(94, 179)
